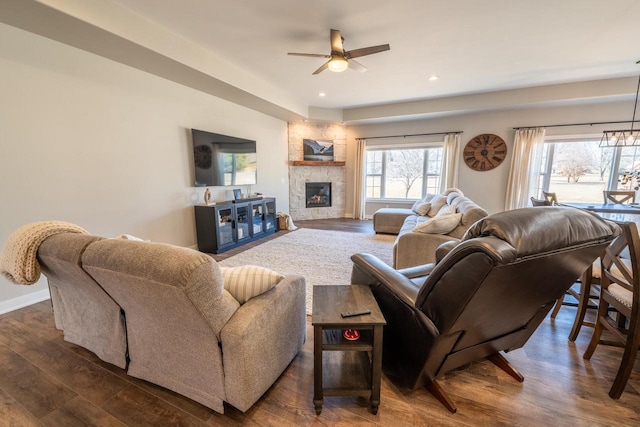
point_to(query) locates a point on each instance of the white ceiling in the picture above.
(474, 46)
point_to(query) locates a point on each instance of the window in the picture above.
(402, 173)
(579, 171)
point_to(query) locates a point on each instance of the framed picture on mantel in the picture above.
(317, 150)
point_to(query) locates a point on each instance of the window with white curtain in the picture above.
(402, 173)
(579, 170)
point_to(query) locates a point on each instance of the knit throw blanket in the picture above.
(18, 260)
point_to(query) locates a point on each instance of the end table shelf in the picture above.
(350, 368)
(334, 341)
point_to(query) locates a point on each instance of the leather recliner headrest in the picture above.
(543, 229)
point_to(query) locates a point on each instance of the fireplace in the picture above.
(318, 194)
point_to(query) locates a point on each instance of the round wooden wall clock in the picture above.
(484, 152)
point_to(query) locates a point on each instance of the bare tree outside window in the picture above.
(407, 173)
(574, 161)
(406, 166)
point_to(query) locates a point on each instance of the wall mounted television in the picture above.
(222, 160)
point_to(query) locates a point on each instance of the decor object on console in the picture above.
(486, 294)
(162, 313)
(207, 197)
(624, 137)
(233, 223)
(416, 247)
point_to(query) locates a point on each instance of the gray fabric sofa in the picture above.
(413, 248)
(161, 312)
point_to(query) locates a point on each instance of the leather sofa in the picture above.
(485, 295)
(415, 248)
(161, 312)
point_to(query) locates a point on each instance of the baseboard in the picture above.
(23, 301)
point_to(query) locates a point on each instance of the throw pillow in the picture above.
(446, 210)
(421, 208)
(436, 204)
(248, 281)
(439, 225)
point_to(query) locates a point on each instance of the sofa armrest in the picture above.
(378, 272)
(261, 339)
(414, 248)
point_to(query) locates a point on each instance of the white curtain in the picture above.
(450, 161)
(359, 180)
(525, 167)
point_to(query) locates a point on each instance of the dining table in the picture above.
(612, 211)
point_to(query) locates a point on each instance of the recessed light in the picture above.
(433, 78)
(322, 94)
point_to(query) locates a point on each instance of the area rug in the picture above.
(322, 257)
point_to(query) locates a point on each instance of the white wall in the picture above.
(102, 145)
(488, 188)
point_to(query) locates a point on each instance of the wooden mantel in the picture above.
(316, 163)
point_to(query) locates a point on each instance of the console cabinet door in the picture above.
(224, 227)
(242, 222)
(270, 221)
(257, 218)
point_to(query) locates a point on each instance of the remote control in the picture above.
(355, 313)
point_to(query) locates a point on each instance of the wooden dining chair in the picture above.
(620, 295)
(585, 295)
(619, 196)
(539, 202)
(550, 198)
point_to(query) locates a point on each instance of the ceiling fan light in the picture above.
(338, 64)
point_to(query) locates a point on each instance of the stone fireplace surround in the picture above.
(300, 175)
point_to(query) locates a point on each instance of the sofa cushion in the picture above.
(248, 281)
(442, 224)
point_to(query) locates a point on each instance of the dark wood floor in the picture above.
(46, 381)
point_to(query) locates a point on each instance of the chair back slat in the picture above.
(619, 196)
(550, 198)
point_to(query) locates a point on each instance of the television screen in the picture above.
(221, 160)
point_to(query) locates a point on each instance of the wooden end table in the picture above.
(358, 371)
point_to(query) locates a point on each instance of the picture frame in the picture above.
(318, 150)
(237, 194)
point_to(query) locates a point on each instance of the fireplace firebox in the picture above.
(318, 194)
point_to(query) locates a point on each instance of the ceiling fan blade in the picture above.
(336, 42)
(322, 68)
(356, 66)
(312, 55)
(356, 53)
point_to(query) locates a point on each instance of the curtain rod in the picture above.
(578, 124)
(406, 136)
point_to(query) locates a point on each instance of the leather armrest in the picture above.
(367, 267)
(417, 271)
(445, 248)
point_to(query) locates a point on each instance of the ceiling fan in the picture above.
(339, 59)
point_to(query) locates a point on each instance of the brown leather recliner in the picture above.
(485, 295)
